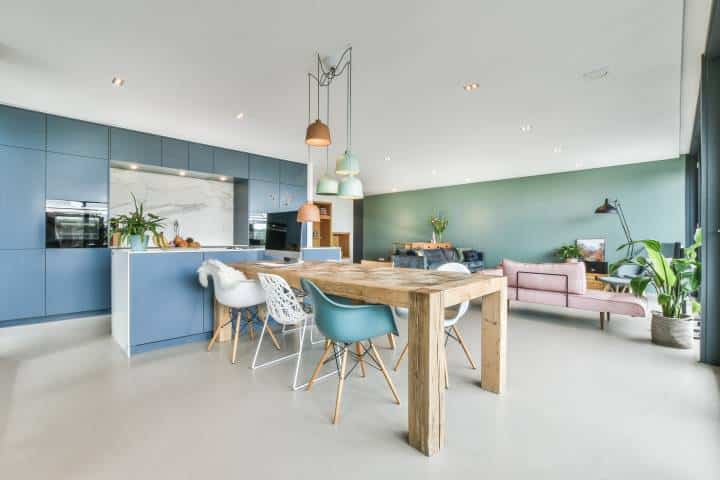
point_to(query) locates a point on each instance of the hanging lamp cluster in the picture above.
(318, 133)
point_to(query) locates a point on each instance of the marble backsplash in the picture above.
(204, 208)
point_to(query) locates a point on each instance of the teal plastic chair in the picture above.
(347, 325)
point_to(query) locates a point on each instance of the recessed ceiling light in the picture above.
(558, 149)
(387, 158)
(118, 82)
(434, 172)
(182, 173)
(596, 74)
(526, 128)
(240, 116)
(133, 166)
(223, 179)
(469, 87)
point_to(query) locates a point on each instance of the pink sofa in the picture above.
(565, 285)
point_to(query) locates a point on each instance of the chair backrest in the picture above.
(459, 268)
(628, 271)
(348, 323)
(549, 277)
(282, 304)
(231, 287)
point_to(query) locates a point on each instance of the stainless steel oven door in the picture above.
(70, 224)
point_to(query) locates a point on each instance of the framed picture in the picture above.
(592, 249)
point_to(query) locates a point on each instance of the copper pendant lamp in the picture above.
(318, 134)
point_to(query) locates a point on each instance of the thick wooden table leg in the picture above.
(426, 389)
(494, 341)
(221, 314)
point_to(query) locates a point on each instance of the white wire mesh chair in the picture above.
(284, 307)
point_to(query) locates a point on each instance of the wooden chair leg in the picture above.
(391, 340)
(238, 322)
(341, 383)
(400, 358)
(359, 351)
(268, 329)
(323, 357)
(380, 363)
(214, 337)
(445, 369)
(464, 347)
(251, 330)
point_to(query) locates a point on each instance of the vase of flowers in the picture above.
(439, 224)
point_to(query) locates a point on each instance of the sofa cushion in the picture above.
(553, 277)
(434, 256)
(592, 300)
(472, 256)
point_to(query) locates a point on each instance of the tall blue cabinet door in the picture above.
(230, 163)
(22, 128)
(264, 168)
(201, 158)
(22, 291)
(263, 197)
(175, 153)
(292, 173)
(135, 147)
(165, 296)
(77, 280)
(292, 197)
(22, 198)
(65, 135)
(70, 177)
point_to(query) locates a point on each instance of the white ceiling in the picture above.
(192, 66)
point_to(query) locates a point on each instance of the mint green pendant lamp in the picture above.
(350, 188)
(347, 164)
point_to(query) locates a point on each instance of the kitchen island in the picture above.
(157, 301)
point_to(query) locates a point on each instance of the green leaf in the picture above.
(638, 285)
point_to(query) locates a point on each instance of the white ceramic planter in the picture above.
(672, 332)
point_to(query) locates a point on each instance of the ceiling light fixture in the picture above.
(469, 87)
(240, 116)
(182, 173)
(434, 172)
(558, 149)
(387, 158)
(118, 82)
(223, 179)
(526, 128)
(596, 74)
(133, 166)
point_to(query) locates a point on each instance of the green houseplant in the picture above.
(439, 224)
(135, 225)
(674, 280)
(569, 252)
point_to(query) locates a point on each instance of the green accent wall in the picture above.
(528, 218)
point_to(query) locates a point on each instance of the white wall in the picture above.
(342, 215)
(204, 208)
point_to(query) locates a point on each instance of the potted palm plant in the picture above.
(134, 226)
(674, 281)
(570, 253)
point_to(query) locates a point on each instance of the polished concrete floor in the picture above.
(580, 403)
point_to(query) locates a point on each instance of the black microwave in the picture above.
(72, 224)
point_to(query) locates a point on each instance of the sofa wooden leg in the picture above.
(602, 320)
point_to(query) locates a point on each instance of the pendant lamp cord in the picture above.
(327, 105)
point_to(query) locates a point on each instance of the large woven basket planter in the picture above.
(672, 332)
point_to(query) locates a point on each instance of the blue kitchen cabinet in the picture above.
(201, 158)
(230, 163)
(74, 137)
(291, 197)
(22, 198)
(77, 280)
(22, 128)
(263, 197)
(264, 168)
(70, 177)
(22, 291)
(135, 147)
(229, 257)
(166, 300)
(175, 154)
(292, 173)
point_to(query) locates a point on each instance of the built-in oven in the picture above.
(70, 224)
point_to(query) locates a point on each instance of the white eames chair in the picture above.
(234, 290)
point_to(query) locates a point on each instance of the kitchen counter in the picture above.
(157, 300)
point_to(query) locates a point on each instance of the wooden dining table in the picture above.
(426, 293)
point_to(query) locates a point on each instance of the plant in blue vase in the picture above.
(439, 224)
(135, 226)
